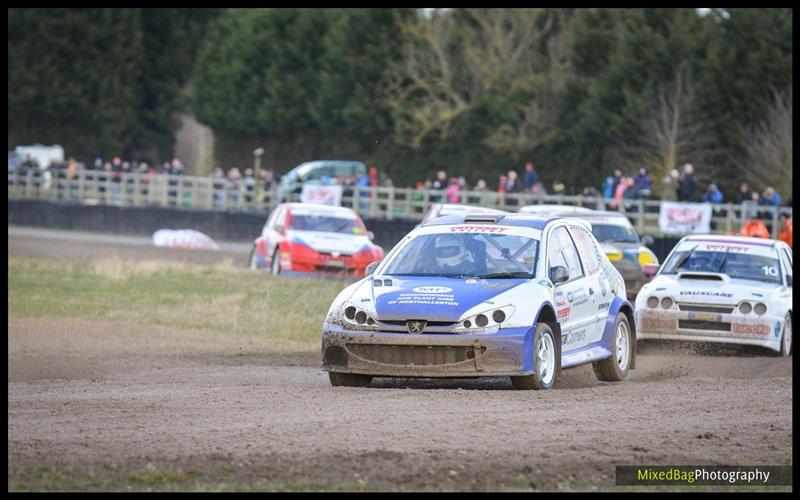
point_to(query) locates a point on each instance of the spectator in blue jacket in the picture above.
(712, 194)
(770, 198)
(643, 183)
(608, 187)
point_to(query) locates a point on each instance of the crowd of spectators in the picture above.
(241, 185)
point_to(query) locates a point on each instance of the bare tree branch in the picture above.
(768, 159)
(448, 68)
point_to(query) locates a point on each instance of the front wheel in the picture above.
(253, 259)
(786, 337)
(545, 357)
(276, 262)
(615, 368)
(349, 379)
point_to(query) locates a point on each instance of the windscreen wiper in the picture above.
(685, 258)
(513, 274)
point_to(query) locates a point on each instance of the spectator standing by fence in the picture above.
(785, 233)
(712, 194)
(235, 185)
(531, 179)
(453, 191)
(608, 188)
(770, 198)
(744, 194)
(669, 186)
(644, 183)
(687, 184)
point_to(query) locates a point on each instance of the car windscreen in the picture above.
(614, 233)
(735, 265)
(459, 255)
(326, 223)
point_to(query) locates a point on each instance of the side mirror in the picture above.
(371, 267)
(371, 235)
(650, 270)
(559, 274)
(648, 240)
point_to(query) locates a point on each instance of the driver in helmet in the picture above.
(452, 256)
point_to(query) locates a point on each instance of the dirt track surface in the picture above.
(106, 409)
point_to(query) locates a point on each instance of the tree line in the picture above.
(473, 91)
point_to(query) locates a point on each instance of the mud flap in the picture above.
(556, 328)
(476, 351)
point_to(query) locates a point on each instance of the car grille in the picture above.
(705, 308)
(704, 325)
(418, 355)
(429, 323)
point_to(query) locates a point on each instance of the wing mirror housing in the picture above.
(559, 274)
(371, 267)
(648, 240)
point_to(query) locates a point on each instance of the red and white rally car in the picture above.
(321, 239)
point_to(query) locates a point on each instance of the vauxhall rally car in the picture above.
(484, 295)
(724, 289)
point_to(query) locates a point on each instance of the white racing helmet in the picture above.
(450, 250)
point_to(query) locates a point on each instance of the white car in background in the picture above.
(440, 209)
(728, 289)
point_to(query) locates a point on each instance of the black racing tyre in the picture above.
(615, 368)
(349, 379)
(786, 337)
(546, 361)
(276, 262)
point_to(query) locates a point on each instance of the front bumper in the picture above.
(346, 266)
(507, 352)
(733, 328)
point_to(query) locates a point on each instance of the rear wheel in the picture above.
(276, 262)
(544, 362)
(349, 379)
(616, 367)
(786, 337)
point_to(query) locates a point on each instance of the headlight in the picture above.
(647, 257)
(488, 321)
(652, 302)
(356, 318)
(760, 308)
(667, 302)
(745, 308)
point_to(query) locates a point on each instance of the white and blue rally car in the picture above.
(484, 295)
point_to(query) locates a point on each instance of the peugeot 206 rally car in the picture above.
(305, 238)
(728, 289)
(484, 295)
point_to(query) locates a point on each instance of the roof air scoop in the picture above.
(701, 276)
(483, 218)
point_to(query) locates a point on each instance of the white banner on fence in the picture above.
(323, 195)
(684, 218)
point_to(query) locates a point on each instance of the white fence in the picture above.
(100, 187)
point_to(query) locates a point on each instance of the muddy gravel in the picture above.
(89, 413)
